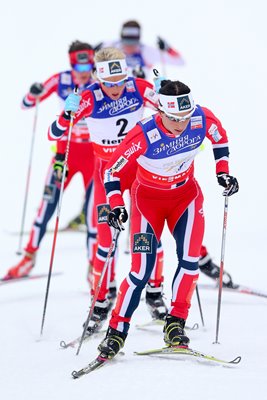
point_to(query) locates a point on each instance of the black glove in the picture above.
(229, 182)
(162, 45)
(116, 216)
(138, 72)
(59, 167)
(36, 89)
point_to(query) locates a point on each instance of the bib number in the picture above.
(122, 123)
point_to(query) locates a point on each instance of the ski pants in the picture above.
(104, 240)
(182, 209)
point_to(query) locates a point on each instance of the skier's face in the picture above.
(113, 86)
(82, 77)
(130, 49)
(176, 126)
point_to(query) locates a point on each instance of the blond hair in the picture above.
(109, 53)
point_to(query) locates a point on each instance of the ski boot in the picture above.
(112, 293)
(155, 302)
(77, 223)
(112, 344)
(207, 266)
(23, 268)
(99, 316)
(174, 334)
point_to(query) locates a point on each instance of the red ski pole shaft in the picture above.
(58, 216)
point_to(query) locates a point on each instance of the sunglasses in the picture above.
(82, 67)
(175, 118)
(112, 84)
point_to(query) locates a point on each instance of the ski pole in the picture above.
(58, 214)
(19, 252)
(199, 306)
(99, 284)
(221, 267)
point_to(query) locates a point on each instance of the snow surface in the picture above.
(224, 45)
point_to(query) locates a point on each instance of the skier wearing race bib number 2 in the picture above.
(111, 107)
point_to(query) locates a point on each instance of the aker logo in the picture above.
(114, 68)
(183, 103)
(119, 164)
(49, 193)
(142, 243)
(102, 213)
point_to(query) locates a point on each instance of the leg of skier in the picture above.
(156, 206)
(44, 214)
(209, 268)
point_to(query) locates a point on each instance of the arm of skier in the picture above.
(167, 55)
(218, 137)
(148, 93)
(82, 109)
(120, 171)
(40, 91)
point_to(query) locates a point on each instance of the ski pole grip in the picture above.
(76, 89)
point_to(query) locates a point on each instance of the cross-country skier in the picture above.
(111, 107)
(162, 148)
(81, 156)
(140, 59)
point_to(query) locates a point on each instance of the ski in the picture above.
(98, 362)
(236, 289)
(92, 366)
(186, 351)
(74, 342)
(160, 322)
(27, 278)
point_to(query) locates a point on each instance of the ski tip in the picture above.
(236, 360)
(75, 374)
(195, 327)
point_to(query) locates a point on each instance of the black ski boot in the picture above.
(112, 344)
(112, 293)
(207, 266)
(100, 314)
(174, 334)
(78, 223)
(155, 302)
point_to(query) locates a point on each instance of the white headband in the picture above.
(105, 69)
(131, 31)
(176, 104)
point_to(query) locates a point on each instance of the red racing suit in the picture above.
(108, 122)
(81, 160)
(165, 189)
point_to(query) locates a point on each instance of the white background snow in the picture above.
(224, 46)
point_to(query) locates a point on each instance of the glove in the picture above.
(138, 72)
(72, 103)
(59, 167)
(229, 182)
(36, 89)
(116, 216)
(162, 45)
(157, 82)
